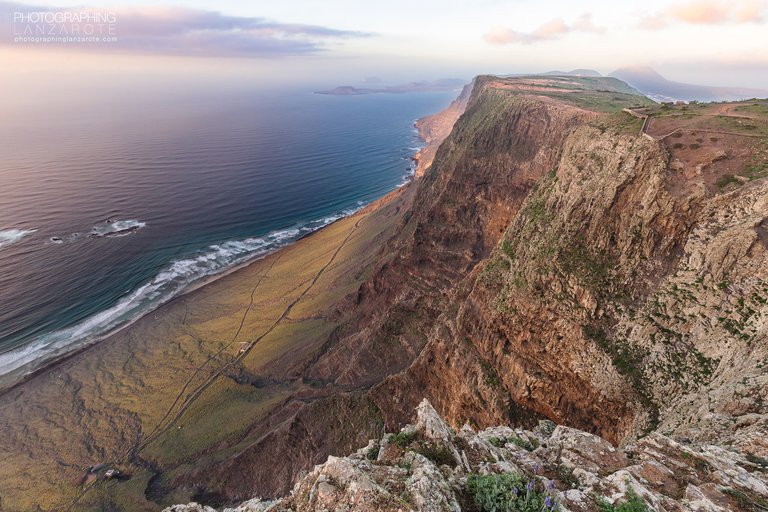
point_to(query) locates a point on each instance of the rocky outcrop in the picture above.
(427, 466)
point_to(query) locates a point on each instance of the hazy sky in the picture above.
(718, 42)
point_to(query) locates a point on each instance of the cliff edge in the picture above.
(428, 466)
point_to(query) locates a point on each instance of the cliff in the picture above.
(559, 260)
(554, 263)
(435, 129)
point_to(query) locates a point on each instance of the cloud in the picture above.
(552, 29)
(184, 31)
(707, 12)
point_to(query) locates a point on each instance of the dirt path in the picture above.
(170, 418)
(647, 121)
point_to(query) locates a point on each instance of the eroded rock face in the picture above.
(550, 264)
(430, 472)
(620, 299)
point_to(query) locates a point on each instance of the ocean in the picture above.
(111, 208)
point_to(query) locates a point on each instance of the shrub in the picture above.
(522, 443)
(506, 247)
(372, 453)
(491, 377)
(497, 442)
(546, 427)
(402, 439)
(633, 503)
(509, 492)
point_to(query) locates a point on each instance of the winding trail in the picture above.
(215, 355)
(647, 121)
(165, 423)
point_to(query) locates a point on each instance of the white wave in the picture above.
(170, 282)
(117, 227)
(11, 236)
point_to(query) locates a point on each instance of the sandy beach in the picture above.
(212, 364)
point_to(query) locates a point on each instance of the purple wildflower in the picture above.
(549, 502)
(516, 490)
(550, 485)
(529, 486)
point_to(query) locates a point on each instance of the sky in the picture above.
(334, 42)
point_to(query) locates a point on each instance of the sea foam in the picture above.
(170, 282)
(117, 228)
(11, 236)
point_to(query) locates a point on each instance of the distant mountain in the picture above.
(575, 72)
(443, 84)
(655, 86)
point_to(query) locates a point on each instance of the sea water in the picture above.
(109, 210)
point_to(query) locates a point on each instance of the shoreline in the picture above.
(57, 361)
(152, 385)
(435, 128)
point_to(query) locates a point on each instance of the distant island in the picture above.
(444, 84)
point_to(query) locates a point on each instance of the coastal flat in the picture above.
(174, 385)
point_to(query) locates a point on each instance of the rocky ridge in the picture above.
(427, 467)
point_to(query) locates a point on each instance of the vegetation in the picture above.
(633, 503)
(438, 453)
(565, 475)
(760, 462)
(499, 442)
(493, 271)
(592, 269)
(758, 167)
(491, 377)
(510, 492)
(506, 248)
(402, 439)
(628, 362)
(522, 443)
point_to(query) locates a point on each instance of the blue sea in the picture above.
(111, 208)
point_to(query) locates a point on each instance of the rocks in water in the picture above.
(427, 465)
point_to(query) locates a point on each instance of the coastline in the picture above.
(229, 347)
(55, 362)
(431, 131)
(79, 347)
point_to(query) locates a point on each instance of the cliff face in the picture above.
(598, 231)
(624, 295)
(552, 263)
(435, 129)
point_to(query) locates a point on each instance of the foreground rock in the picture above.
(426, 466)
